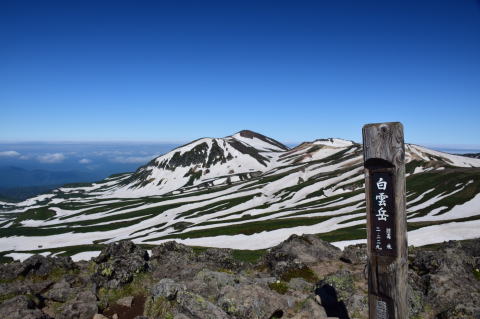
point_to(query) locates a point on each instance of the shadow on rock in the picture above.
(329, 300)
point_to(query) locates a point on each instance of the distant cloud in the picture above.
(132, 159)
(85, 161)
(24, 157)
(9, 154)
(51, 158)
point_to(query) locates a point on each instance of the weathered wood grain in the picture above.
(387, 276)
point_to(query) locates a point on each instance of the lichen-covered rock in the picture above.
(61, 291)
(355, 254)
(168, 289)
(338, 295)
(248, 301)
(118, 263)
(446, 277)
(310, 309)
(21, 307)
(82, 306)
(23, 287)
(36, 265)
(197, 306)
(174, 260)
(297, 252)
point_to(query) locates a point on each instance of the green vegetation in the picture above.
(40, 213)
(305, 273)
(138, 286)
(159, 307)
(279, 286)
(249, 256)
(248, 228)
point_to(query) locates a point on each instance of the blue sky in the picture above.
(173, 71)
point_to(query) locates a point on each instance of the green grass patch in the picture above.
(249, 256)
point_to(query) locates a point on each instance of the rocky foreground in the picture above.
(303, 277)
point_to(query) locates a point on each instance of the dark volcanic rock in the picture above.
(118, 262)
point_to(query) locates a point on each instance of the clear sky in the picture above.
(293, 70)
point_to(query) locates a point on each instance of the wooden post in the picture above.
(384, 159)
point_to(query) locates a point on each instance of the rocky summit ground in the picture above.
(303, 277)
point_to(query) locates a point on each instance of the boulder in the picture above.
(21, 307)
(174, 260)
(118, 263)
(297, 252)
(168, 289)
(82, 306)
(249, 301)
(355, 254)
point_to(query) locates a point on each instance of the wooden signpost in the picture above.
(384, 159)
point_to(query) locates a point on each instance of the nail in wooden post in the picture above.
(384, 159)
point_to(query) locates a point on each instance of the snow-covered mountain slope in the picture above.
(245, 191)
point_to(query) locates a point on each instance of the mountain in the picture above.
(244, 191)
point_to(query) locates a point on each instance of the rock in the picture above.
(311, 309)
(60, 291)
(99, 316)
(115, 316)
(445, 277)
(82, 306)
(167, 288)
(297, 252)
(198, 307)
(21, 307)
(300, 284)
(355, 254)
(36, 265)
(248, 301)
(39, 265)
(125, 301)
(118, 262)
(337, 293)
(23, 287)
(209, 283)
(180, 262)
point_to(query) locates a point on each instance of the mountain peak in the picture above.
(271, 144)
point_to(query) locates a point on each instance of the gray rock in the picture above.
(23, 287)
(61, 291)
(167, 288)
(445, 277)
(355, 254)
(248, 301)
(210, 283)
(21, 307)
(198, 307)
(125, 301)
(36, 265)
(300, 284)
(174, 260)
(118, 263)
(311, 309)
(82, 306)
(297, 252)
(336, 293)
